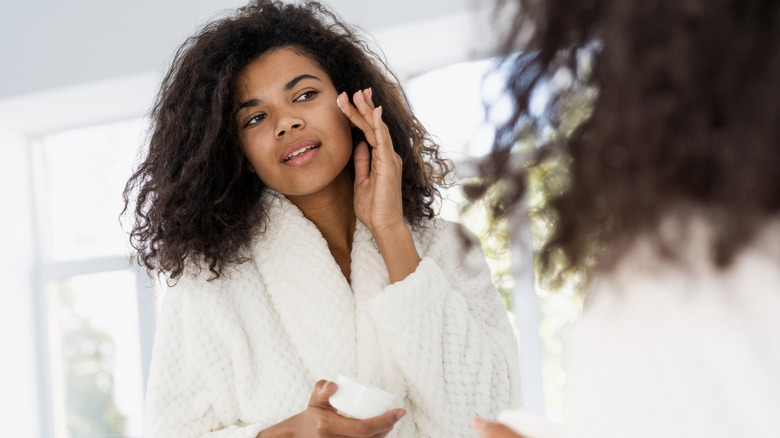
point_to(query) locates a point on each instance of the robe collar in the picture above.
(315, 303)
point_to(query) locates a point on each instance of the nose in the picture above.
(288, 122)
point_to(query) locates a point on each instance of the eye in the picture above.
(308, 95)
(256, 119)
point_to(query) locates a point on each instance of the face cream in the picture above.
(360, 400)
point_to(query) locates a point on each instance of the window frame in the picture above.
(51, 424)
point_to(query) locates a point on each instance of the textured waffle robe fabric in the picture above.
(236, 355)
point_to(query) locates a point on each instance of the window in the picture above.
(96, 310)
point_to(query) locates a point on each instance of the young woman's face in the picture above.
(289, 125)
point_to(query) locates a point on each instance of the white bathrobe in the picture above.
(239, 354)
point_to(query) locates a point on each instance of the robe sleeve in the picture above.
(190, 375)
(449, 332)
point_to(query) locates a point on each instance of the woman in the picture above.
(672, 208)
(297, 227)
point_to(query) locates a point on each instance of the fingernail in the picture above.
(370, 93)
(478, 423)
(380, 111)
(338, 98)
(399, 414)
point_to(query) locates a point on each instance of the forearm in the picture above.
(398, 251)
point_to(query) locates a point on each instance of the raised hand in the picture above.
(378, 202)
(377, 192)
(320, 420)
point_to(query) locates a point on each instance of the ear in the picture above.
(249, 167)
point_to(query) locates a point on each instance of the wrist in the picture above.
(391, 232)
(396, 244)
(283, 429)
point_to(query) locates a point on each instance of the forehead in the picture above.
(270, 72)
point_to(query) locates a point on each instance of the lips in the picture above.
(299, 152)
(297, 148)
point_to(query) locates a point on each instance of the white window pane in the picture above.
(97, 383)
(451, 103)
(82, 173)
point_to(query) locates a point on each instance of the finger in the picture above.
(368, 97)
(323, 389)
(362, 160)
(377, 119)
(381, 424)
(345, 106)
(349, 110)
(363, 107)
(385, 422)
(356, 117)
(487, 429)
(381, 132)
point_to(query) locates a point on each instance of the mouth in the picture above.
(299, 151)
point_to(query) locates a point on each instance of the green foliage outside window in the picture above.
(88, 355)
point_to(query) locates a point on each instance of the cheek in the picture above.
(264, 174)
(252, 149)
(246, 152)
(345, 128)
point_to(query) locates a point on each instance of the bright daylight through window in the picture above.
(96, 308)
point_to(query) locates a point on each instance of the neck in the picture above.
(332, 211)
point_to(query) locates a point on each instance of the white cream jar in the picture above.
(360, 400)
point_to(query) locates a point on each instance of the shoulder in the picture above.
(442, 235)
(453, 246)
(198, 287)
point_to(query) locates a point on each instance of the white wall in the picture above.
(411, 47)
(47, 44)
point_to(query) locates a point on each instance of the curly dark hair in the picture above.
(194, 198)
(685, 118)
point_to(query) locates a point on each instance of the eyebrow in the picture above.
(293, 82)
(287, 87)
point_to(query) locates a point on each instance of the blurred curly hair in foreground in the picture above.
(652, 108)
